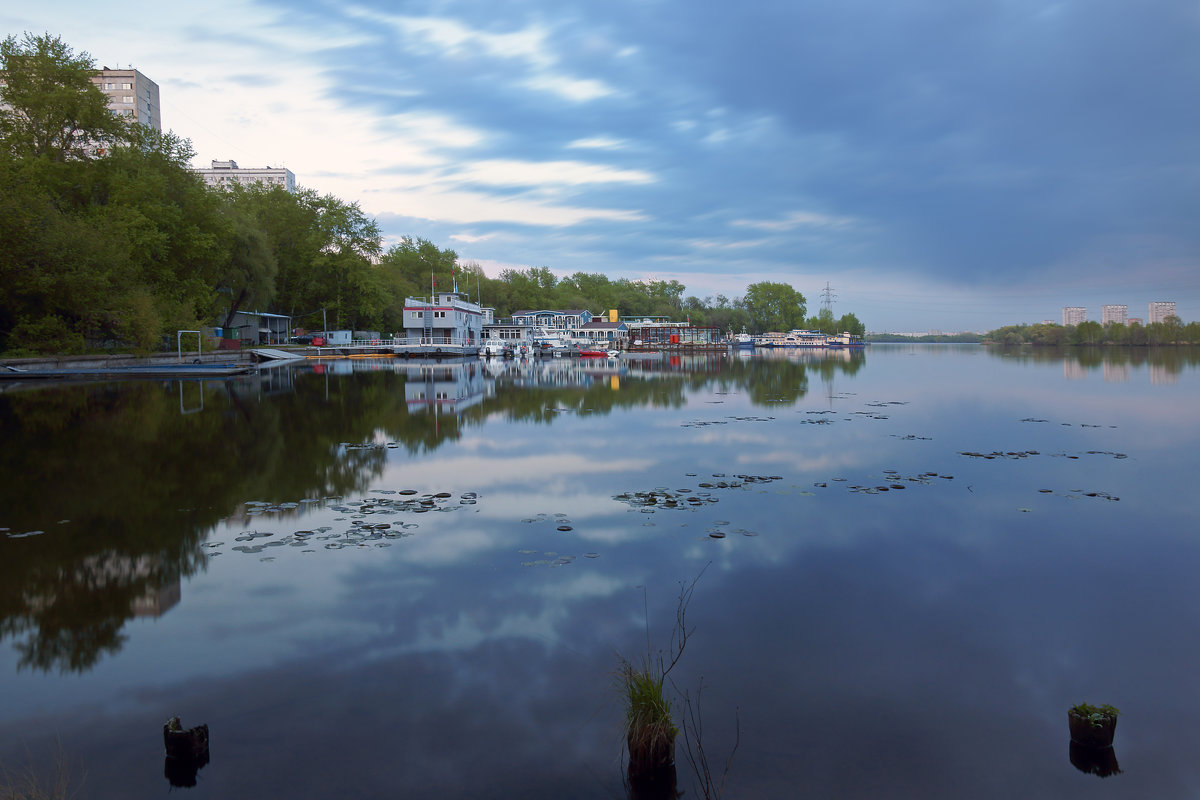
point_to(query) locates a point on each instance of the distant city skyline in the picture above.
(946, 180)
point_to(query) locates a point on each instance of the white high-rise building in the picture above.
(1160, 310)
(1114, 313)
(1073, 315)
(224, 174)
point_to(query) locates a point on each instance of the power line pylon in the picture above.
(828, 297)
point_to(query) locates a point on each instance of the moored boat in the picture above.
(498, 347)
(846, 339)
(743, 340)
(793, 338)
(447, 325)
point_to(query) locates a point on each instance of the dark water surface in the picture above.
(218, 551)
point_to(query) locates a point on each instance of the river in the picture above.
(373, 578)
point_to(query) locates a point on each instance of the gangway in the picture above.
(271, 354)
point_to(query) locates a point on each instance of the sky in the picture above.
(937, 164)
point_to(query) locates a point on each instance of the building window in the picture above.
(127, 99)
(126, 86)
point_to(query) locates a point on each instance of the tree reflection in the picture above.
(110, 489)
(1171, 360)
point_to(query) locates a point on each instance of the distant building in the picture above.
(1135, 321)
(1073, 315)
(225, 174)
(130, 94)
(1160, 310)
(1117, 314)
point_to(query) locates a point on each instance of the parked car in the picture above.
(305, 339)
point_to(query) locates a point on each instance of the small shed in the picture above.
(259, 328)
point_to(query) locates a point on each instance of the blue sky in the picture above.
(941, 164)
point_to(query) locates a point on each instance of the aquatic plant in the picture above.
(1093, 726)
(650, 729)
(1096, 716)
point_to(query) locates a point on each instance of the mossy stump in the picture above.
(1094, 731)
(185, 745)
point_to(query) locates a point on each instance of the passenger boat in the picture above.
(845, 339)
(793, 338)
(447, 325)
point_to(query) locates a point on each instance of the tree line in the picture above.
(111, 241)
(1168, 332)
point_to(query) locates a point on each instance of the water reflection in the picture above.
(1101, 761)
(877, 577)
(1163, 363)
(118, 461)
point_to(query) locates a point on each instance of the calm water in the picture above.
(211, 551)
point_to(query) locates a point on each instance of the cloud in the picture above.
(794, 220)
(502, 172)
(579, 90)
(976, 151)
(597, 143)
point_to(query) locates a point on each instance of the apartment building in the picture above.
(130, 94)
(1073, 315)
(1114, 313)
(1160, 310)
(225, 174)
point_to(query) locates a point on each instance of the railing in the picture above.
(437, 341)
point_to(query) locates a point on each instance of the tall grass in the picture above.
(27, 784)
(649, 729)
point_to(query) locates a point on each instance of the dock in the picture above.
(209, 370)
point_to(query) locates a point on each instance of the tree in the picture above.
(774, 306)
(1137, 334)
(1172, 330)
(850, 324)
(250, 267)
(49, 108)
(1116, 333)
(1087, 332)
(1046, 334)
(823, 322)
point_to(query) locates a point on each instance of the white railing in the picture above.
(437, 341)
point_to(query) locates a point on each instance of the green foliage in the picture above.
(1169, 332)
(938, 338)
(774, 307)
(648, 724)
(45, 335)
(1087, 332)
(1097, 716)
(49, 107)
(849, 323)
